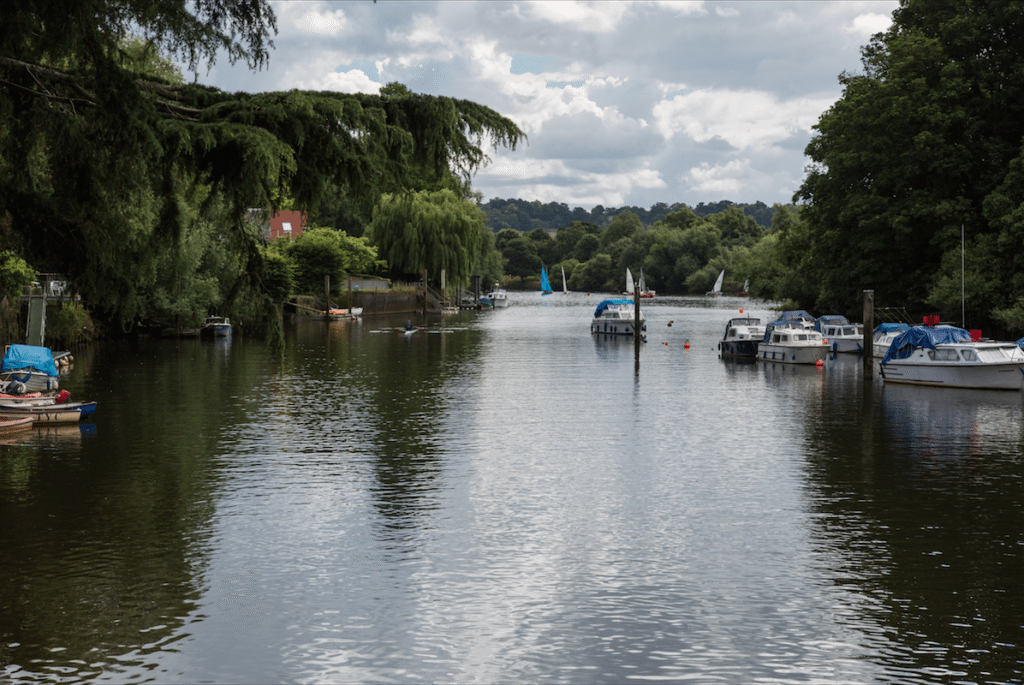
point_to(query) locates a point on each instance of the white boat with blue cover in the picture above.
(31, 366)
(884, 334)
(946, 356)
(790, 342)
(617, 317)
(842, 336)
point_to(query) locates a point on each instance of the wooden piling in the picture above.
(869, 329)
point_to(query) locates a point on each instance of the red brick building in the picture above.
(284, 225)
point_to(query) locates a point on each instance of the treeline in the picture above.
(526, 215)
(680, 253)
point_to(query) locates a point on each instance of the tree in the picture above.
(15, 274)
(321, 252)
(622, 226)
(919, 145)
(521, 258)
(95, 150)
(428, 230)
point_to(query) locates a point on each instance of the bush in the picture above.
(69, 324)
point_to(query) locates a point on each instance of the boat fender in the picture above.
(61, 397)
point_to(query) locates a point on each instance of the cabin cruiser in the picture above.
(951, 357)
(742, 335)
(841, 335)
(789, 342)
(617, 317)
(498, 297)
(884, 334)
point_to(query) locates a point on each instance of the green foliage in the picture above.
(277, 277)
(108, 162)
(489, 264)
(68, 325)
(623, 226)
(15, 274)
(921, 144)
(597, 274)
(428, 230)
(321, 252)
(521, 258)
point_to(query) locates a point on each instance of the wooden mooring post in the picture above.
(869, 330)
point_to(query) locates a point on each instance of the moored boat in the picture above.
(32, 366)
(789, 342)
(617, 317)
(216, 327)
(498, 297)
(883, 336)
(842, 336)
(716, 291)
(742, 336)
(950, 357)
(15, 424)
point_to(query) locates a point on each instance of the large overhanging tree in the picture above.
(925, 141)
(96, 159)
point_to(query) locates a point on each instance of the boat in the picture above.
(742, 335)
(717, 290)
(565, 288)
(68, 412)
(950, 357)
(498, 297)
(791, 343)
(31, 366)
(883, 336)
(216, 327)
(339, 314)
(644, 290)
(629, 283)
(841, 335)
(545, 285)
(14, 424)
(617, 317)
(746, 289)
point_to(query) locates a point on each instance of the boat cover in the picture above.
(796, 315)
(924, 336)
(788, 323)
(606, 303)
(1020, 343)
(891, 327)
(830, 320)
(29, 357)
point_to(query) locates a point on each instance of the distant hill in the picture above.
(524, 215)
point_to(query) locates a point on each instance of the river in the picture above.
(502, 496)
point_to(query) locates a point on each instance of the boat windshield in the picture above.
(995, 354)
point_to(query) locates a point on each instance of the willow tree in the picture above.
(96, 152)
(428, 230)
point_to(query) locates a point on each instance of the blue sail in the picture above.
(545, 287)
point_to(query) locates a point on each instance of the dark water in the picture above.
(503, 497)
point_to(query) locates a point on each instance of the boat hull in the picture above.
(34, 381)
(70, 412)
(992, 376)
(738, 348)
(792, 354)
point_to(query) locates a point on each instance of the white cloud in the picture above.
(318, 21)
(590, 17)
(722, 180)
(354, 81)
(866, 25)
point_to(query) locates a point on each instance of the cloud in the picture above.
(866, 25)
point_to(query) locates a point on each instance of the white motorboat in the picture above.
(216, 327)
(950, 357)
(742, 336)
(498, 297)
(842, 336)
(883, 336)
(29, 368)
(617, 317)
(789, 342)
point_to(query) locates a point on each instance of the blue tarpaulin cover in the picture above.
(1020, 343)
(924, 336)
(605, 303)
(890, 327)
(830, 320)
(29, 357)
(796, 315)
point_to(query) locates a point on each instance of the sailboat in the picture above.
(629, 282)
(746, 288)
(565, 288)
(717, 290)
(644, 290)
(545, 286)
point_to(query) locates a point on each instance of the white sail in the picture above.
(718, 283)
(629, 282)
(565, 288)
(746, 285)
(643, 285)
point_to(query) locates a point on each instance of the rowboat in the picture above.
(69, 412)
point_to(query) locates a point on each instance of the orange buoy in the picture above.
(741, 310)
(665, 343)
(686, 346)
(819, 363)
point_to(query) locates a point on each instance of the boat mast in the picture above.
(963, 317)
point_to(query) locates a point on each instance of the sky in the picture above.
(622, 103)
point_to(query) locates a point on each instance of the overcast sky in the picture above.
(623, 103)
